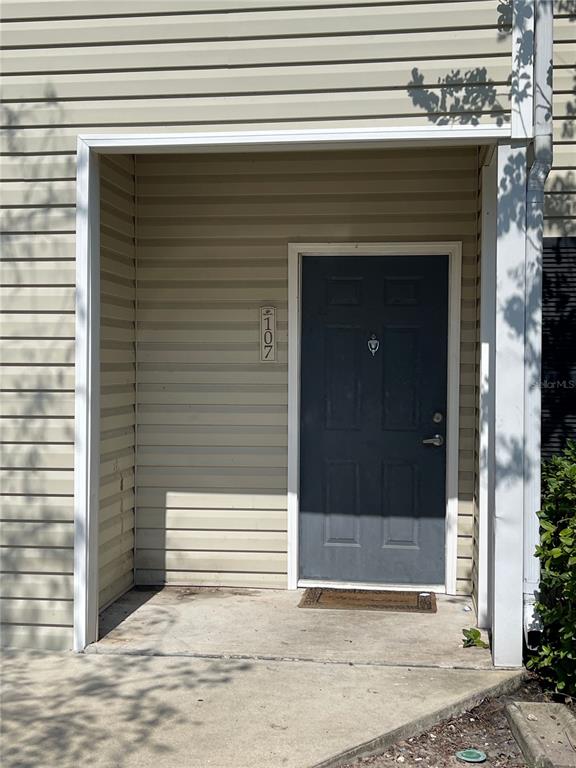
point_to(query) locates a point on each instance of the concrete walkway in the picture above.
(134, 711)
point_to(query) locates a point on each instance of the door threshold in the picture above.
(438, 588)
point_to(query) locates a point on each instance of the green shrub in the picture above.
(555, 660)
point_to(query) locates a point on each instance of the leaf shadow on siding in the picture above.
(60, 710)
(466, 98)
(37, 377)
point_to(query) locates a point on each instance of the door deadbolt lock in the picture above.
(437, 418)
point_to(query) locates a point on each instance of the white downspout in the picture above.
(537, 176)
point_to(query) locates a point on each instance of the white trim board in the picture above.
(310, 139)
(87, 399)
(296, 251)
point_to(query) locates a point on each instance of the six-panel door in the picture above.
(373, 388)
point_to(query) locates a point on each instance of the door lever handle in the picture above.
(437, 441)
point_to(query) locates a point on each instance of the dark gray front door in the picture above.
(374, 359)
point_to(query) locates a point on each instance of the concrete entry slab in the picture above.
(268, 624)
(70, 710)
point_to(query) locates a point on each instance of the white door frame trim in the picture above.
(296, 252)
(87, 398)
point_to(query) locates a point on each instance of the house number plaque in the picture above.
(267, 334)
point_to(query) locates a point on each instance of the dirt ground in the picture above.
(485, 727)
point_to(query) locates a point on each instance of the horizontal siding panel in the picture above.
(117, 505)
(211, 579)
(251, 562)
(37, 456)
(251, 108)
(22, 377)
(213, 520)
(332, 206)
(212, 457)
(232, 541)
(251, 25)
(39, 352)
(244, 53)
(559, 227)
(263, 416)
(400, 226)
(36, 299)
(113, 527)
(302, 163)
(115, 575)
(110, 553)
(223, 436)
(45, 219)
(52, 9)
(31, 168)
(37, 273)
(43, 638)
(38, 246)
(560, 205)
(41, 403)
(49, 560)
(36, 534)
(51, 612)
(213, 395)
(38, 192)
(198, 499)
(37, 429)
(38, 325)
(212, 82)
(215, 478)
(36, 481)
(564, 51)
(116, 588)
(24, 586)
(560, 181)
(216, 374)
(117, 463)
(236, 194)
(37, 508)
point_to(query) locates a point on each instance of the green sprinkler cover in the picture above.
(471, 756)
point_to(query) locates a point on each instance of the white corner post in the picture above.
(508, 382)
(486, 375)
(87, 400)
(543, 146)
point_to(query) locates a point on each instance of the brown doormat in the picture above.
(368, 600)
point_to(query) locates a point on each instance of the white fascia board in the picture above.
(364, 138)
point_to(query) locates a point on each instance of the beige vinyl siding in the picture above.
(561, 184)
(37, 329)
(117, 377)
(206, 66)
(73, 66)
(213, 235)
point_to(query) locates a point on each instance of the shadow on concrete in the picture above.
(50, 707)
